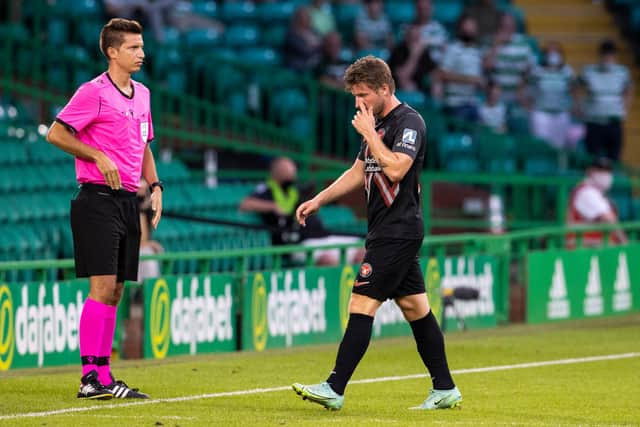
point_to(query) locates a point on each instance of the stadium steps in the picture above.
(580, 25)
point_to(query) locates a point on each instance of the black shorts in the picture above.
(390, 269)
(106, 232)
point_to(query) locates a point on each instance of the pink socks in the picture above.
(97, 325)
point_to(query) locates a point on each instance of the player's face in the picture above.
(371, 98)
(130, 55)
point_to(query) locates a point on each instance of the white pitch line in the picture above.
(283, 388)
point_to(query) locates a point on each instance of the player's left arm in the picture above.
(150, 174)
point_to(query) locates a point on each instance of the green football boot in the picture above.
(321, 394)
(442, 399)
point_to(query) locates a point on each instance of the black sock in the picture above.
(353, 346)
(430, 343)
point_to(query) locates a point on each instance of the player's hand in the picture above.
(305, 210)
(363, 121)
(109, 171)
(156, 206)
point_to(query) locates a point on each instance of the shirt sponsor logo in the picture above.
(365, 270)
(409, 137)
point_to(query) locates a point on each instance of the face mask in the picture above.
(467, 38)
(554, 59)
(602, 180)
(285, 185)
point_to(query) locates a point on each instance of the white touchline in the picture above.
(363, 381)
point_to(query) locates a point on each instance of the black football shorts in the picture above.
(105, 224)
(390, 269)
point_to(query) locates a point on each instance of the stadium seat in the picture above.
(414, 98)
(496, 152)
(241, 35)
(273, 35)
(448, 13)
(235, 12)
(288, 102)
(256, 55)
(400, 12)
(202, 38)
(276, 13)
(205, 8)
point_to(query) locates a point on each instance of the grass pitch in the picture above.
(251, 389)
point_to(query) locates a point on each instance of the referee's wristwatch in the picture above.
(157, 184)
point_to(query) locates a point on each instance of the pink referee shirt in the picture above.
(105, 118)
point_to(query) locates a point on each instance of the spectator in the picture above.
(276, 201)
(411, 62)
(147, 268)
(461, 72)
(589, 204)
(301, 44)
(551, 87)
(373, 28)
(322, 19)
(432, 33)
(609, 92)
(486, 14)
(332, 66)
(509, 61)
(493, 112)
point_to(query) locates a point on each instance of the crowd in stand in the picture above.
(487, 71)
(483, 70)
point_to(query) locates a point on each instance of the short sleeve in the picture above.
(151, 134)
(82, 108)
(410, 136)
(262, 192)
(591, 204)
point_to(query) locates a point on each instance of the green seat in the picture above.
(448, 13)
(57, 32)
(13, 153)
(241, 35)
(497, 152)
(414, 98)
(202, 38)
(273, 35)
(288, 102)
(453, 144)
(301, 125)
(536, 157)
(205, 8)
(276, 13)
(172, 172)
(238, 11)
(261, 56)
(400, 12)
(14, 31)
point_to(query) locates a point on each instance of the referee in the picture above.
(107, 126)
(388, 167)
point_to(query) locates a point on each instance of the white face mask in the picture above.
(602, 180)
(554, 59)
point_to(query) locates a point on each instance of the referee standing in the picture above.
(107, 126)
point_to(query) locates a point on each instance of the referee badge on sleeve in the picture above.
(144, 131)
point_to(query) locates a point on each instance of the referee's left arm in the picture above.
(150, 174)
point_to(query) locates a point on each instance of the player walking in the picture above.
(389, 166)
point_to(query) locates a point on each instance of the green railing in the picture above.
(509, 249)
(525, 201)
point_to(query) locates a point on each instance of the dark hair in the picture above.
(607, 46)
(372, 71)
(602, 163)
(112, 34)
